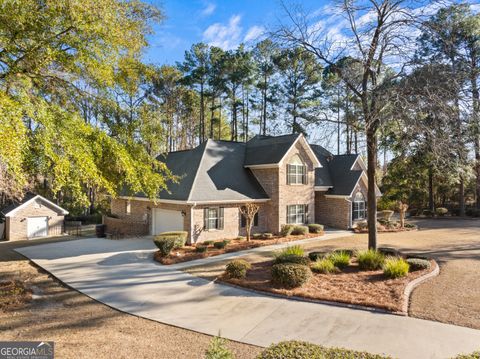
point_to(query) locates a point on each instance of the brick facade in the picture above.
(16, 226)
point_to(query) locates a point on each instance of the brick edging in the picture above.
(415, 283)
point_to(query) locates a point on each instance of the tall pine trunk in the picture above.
(371, 195)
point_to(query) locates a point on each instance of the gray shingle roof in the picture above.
(212, 171)
(344, 179)
(262, 150)
(322, 174)
(10, 207)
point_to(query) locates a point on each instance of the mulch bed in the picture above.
(387, 230)
(13, 295)
(351, 286)
(188, 253)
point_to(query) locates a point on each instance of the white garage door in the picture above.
(166, 220)
(37, 227)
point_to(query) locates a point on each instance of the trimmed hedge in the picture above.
(237, 268)
(208, 243)
(291, 258)
(165, 244)
(220, 245)
(294, 349)
(290, 275)
(370, 259)
(201, 249)
(179, 236)
(287, 230)
(299, 230)
(267, 235)
(315, 228)
(418, 264)
(395, 267)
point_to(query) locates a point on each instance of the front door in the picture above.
(37, 227)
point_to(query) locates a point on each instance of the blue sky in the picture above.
(222, 23)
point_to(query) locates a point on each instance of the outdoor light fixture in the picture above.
(184, 213)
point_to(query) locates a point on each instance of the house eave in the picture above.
(322, 188)
(15, 210)
(193, 203)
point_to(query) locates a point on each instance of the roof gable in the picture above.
(29, 198)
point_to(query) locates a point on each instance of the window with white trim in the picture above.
(296, 171)
(213, 218)
(297, 214)
(359, 207)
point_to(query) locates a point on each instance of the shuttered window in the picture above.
(213, 218)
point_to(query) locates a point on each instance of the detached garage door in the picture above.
(37, 227)
(166, 220)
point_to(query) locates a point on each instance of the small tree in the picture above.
(402, 209)
(249, 211)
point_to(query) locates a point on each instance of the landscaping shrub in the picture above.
(286, 230)
(201, 248)
(227, 241)
(315, 228)
(179, 236)
(441, 211)
(220, 244)
(296, 249)
(474, 355)
(299, 230)
(291, 258)
(350, 252)
(218, 350)
(339, 259)
(418, 264)
(370, 259)
(385, 215)
(240, 238)
(314, 256)
(237, 268)
(294, 349)
(290, 275)
(362, 225)
(388, 251)
(409, 225)
(165, 244)
(208, 243)
(324, 266)
(257, 235)
(395, 267)
(267, 235)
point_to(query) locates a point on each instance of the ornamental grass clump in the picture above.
(292, 254)
(237, 269)
(340, 259)
(290, 275)
(323, 266)
(395, 267)
(370, 259)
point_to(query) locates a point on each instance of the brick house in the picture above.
(33, 217)
(291, 180)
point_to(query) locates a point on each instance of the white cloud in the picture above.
(209, 9)
(225, 36)
(254, 33)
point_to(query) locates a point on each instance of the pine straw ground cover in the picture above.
(351, 286)
(13, 295)
(188, 253)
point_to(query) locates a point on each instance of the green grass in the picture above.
(323, 266)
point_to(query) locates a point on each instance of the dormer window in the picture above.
(296, 171)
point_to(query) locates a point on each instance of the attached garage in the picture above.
(33, 217)
(166, 220)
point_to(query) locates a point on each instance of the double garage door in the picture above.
(166, 220)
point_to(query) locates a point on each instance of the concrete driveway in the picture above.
(123, 275)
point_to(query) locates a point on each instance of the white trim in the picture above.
(337, 196)
(172, 201)
(316, 162)
(268, 165)
(322, 188)
(360, 161)
(15, 210)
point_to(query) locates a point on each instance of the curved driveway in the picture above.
(122, 275)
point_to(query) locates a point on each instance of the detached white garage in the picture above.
(33, 217)
(167, 220)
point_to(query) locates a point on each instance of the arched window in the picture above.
(296, 171)
(359, 205)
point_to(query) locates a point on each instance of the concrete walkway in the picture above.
(123, 275)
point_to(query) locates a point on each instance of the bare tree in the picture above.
(249, 210)
(378, 34)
